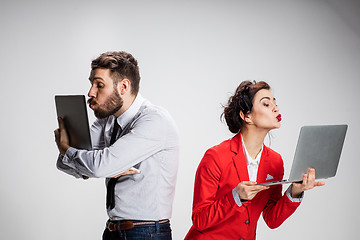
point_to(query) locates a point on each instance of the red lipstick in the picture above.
(278, 117)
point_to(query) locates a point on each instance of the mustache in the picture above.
(91, 101)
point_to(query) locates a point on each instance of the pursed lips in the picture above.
(91, 103)
(278, 117)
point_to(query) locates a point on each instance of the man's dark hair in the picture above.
(122, 65)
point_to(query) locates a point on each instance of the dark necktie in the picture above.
(110, 196)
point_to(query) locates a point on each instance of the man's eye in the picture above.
(100, 86)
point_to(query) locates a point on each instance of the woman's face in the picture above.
(265, 113)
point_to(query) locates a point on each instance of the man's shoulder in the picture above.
(152, 111)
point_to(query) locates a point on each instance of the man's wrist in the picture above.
(64, 148)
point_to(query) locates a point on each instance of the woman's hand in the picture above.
(308, 183)
(247, 190)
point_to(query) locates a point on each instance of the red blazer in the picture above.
(215, 213)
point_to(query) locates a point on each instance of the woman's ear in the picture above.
(245, 117)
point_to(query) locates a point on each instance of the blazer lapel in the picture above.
(263, 166)
(239, 158)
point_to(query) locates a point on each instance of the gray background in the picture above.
(192, 56)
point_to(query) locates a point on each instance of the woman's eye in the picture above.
(266, 104)
(99, 86)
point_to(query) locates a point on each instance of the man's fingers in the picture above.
(62, 129)
(127, 172)
(57, 135)
(57, 132)
(60, 121)
(61, 124)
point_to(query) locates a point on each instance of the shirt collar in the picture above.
(250, 160)
(130, 113)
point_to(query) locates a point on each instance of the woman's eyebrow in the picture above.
(268, 98)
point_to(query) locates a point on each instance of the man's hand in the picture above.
(130, 171)
(247, 190)
(308, 183)
(61, 137)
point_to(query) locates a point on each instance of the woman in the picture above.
(227, 200)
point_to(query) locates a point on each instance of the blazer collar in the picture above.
(240, 161)
(239, 158)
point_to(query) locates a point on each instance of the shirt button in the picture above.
(247, 222)
(241, 239)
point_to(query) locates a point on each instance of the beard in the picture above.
(112, 104)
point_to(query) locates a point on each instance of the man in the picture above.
(135, 147)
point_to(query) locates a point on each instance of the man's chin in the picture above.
(100, 115)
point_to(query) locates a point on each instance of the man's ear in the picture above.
(124, 86)
(245, 117)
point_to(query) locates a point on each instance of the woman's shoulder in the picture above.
(218, 153)
(221, 147)
(215, 157)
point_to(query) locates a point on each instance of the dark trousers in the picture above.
(157, 231)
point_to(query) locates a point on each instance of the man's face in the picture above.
(104, 100)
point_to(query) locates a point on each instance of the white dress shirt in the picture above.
(252, 164)
(149, 142)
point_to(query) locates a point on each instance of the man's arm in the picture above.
(97, 139)
(146, 137)
(65, 168)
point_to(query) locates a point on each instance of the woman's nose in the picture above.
(276, 109)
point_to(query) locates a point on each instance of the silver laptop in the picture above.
(318, 147)
(72, 109)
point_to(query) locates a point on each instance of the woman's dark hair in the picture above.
(122, 65)
(242, 100)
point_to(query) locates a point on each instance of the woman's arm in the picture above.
(208, 209)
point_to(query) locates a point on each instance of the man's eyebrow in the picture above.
(95, 78)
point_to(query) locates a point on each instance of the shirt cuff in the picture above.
(297, 200)
(236, 197)
(67, 157)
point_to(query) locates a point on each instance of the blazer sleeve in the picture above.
(279, 207)
(208, 209)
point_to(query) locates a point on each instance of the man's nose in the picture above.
(92, 92)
